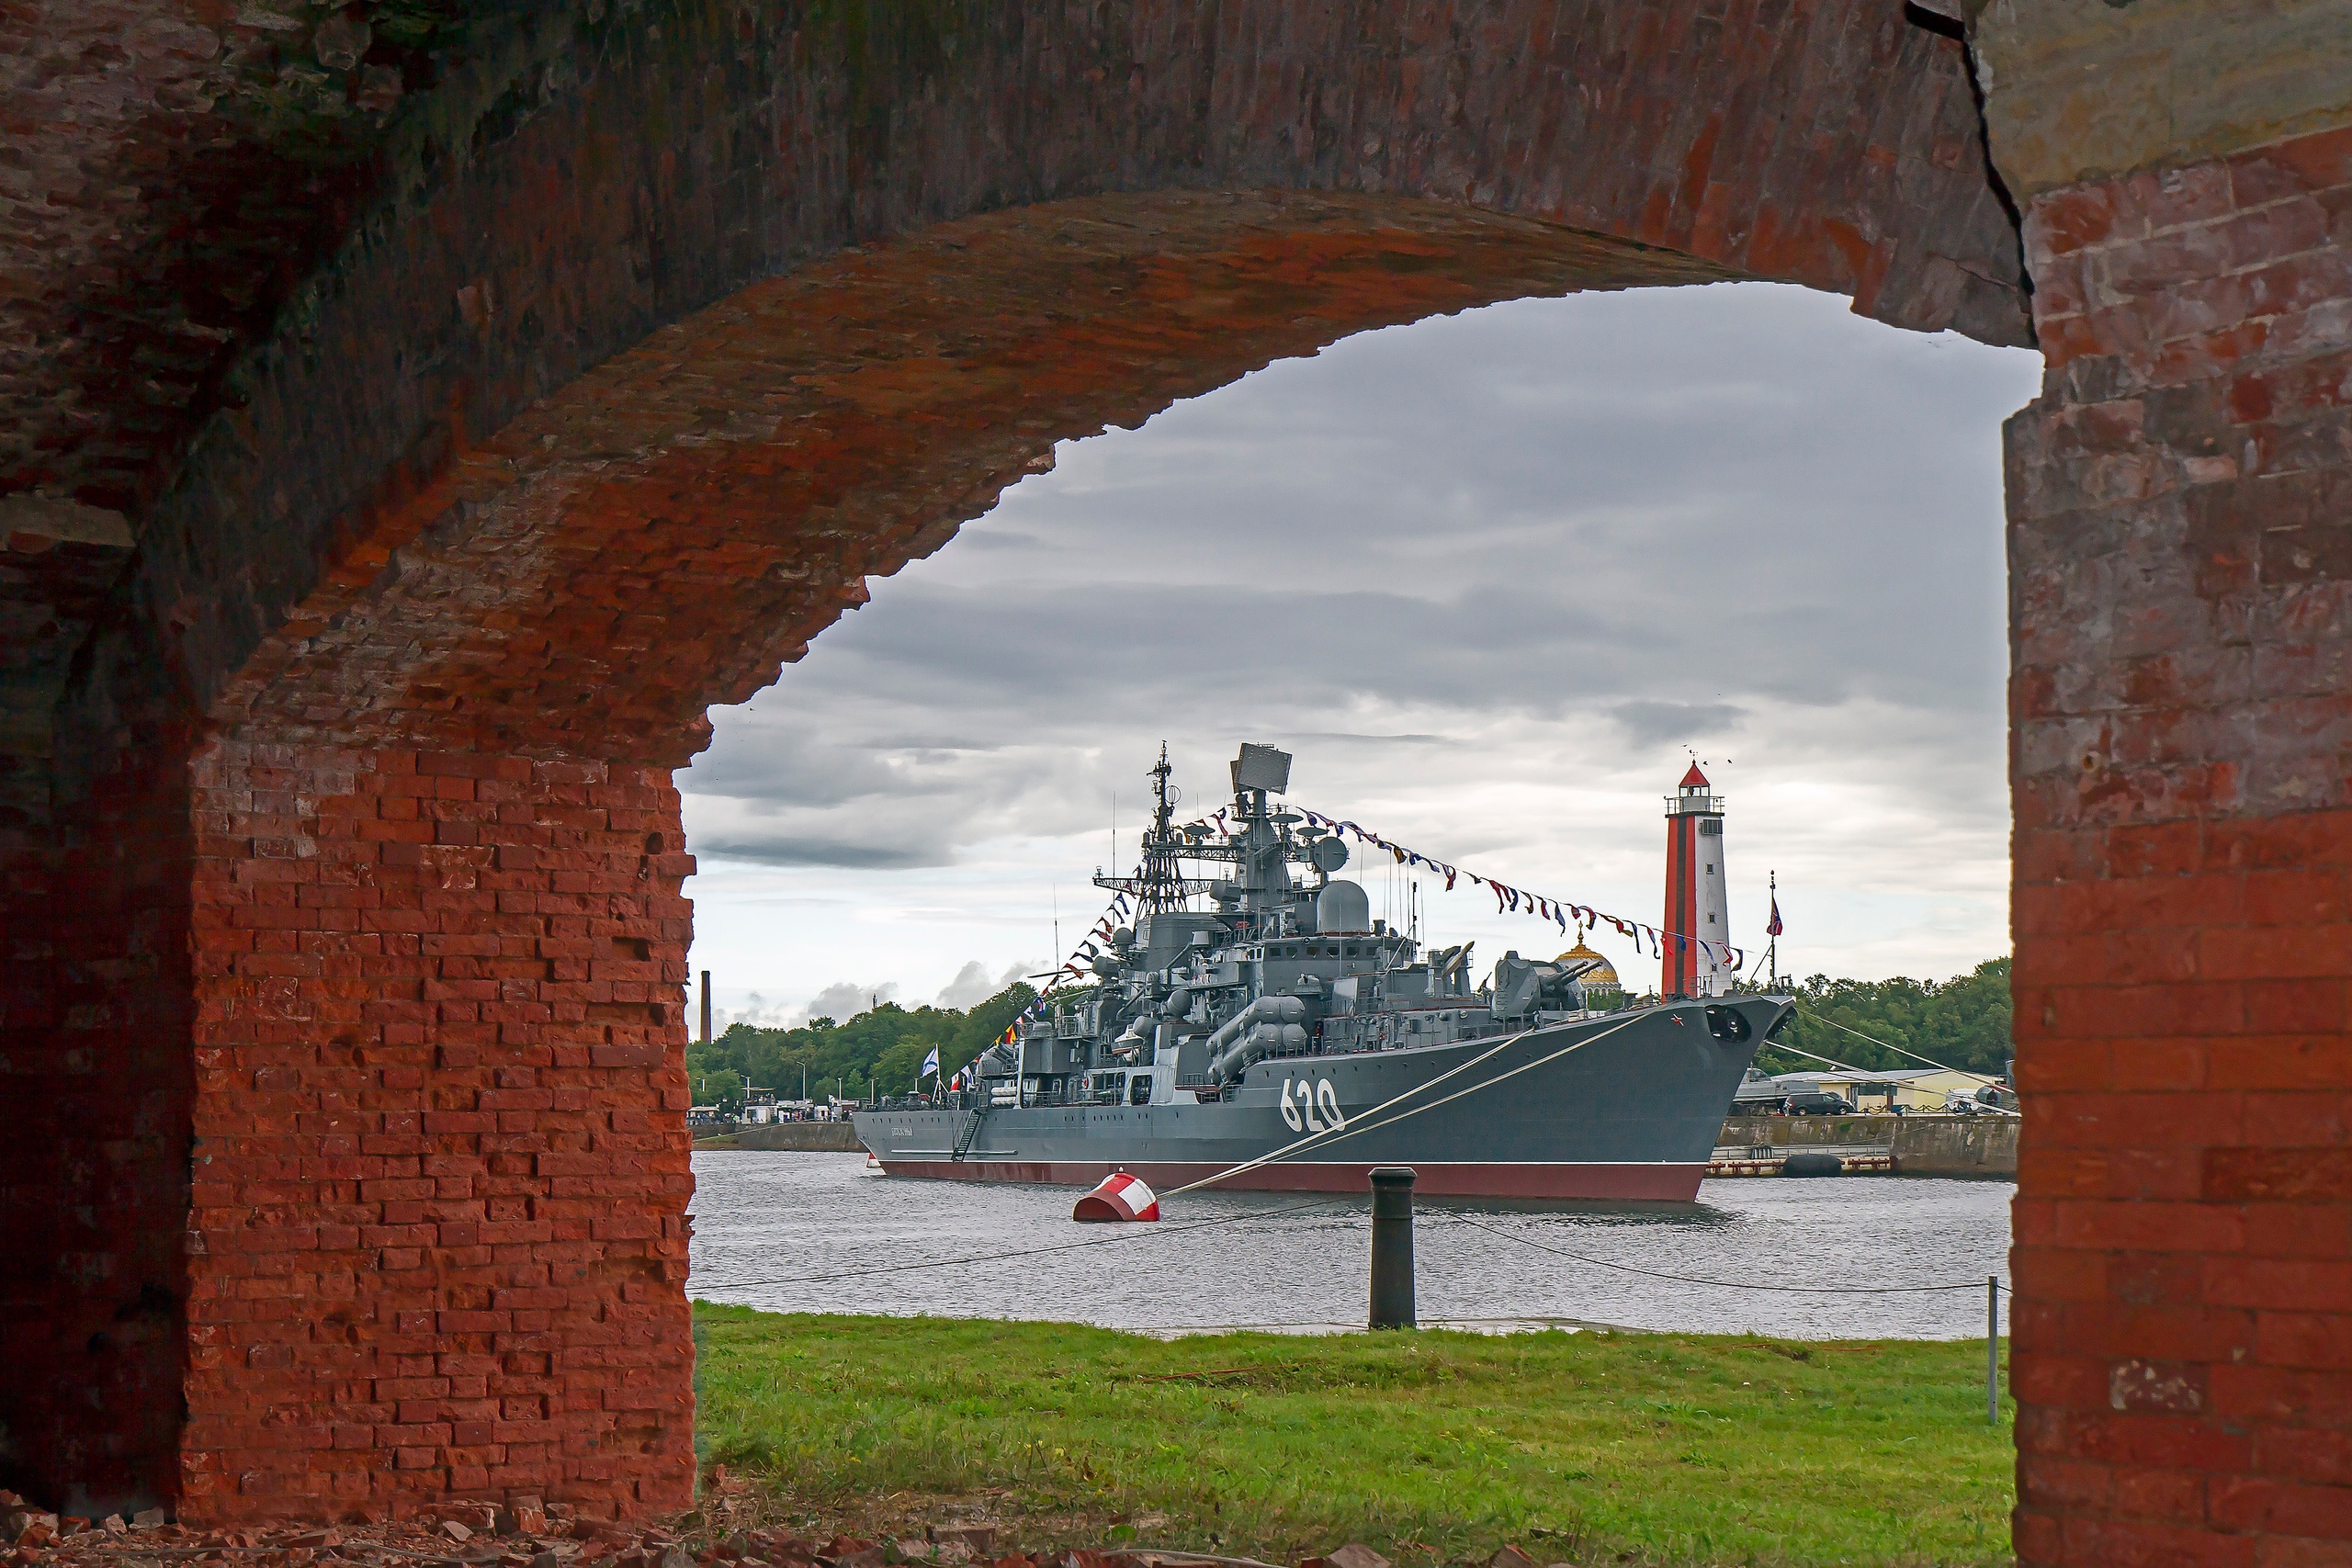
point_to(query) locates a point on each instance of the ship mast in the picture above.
(1159, 883)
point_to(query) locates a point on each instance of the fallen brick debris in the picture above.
(527, 1533)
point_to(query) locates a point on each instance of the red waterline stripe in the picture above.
(1655, 1183)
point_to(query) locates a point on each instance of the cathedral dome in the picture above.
(1601, 979)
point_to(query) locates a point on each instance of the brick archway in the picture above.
(339, 783)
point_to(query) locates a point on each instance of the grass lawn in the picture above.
(1429, 1447)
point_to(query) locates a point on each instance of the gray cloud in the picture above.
(846, 998)
(1650, 724)
(1551, 541)
(973, 985)
(786, 850)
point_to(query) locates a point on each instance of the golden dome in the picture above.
(1604, 976)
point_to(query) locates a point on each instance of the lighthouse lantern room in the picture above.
(1698, 917)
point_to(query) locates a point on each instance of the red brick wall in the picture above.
(2181, 544)
(437, 1229)
(359, 552)
(432, 1030)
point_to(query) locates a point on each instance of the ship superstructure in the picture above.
(1259, 1010)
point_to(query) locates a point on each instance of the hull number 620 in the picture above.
(1301, 1114)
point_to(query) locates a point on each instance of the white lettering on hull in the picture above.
(1301, 1115)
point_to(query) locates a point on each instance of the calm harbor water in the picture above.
(815, 1232)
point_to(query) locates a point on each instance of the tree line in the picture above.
(1961, 1022)
(877, 1051)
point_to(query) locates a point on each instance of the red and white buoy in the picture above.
(1120, 1196)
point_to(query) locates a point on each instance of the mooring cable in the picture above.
(1322, 1132)
(1359, 1124)
(1135, 1234)
(1122, 1234)
(1723, 1284)
(1873, 1040)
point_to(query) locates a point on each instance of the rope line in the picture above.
(1322, 1132)
(1359, 1124)
(1362, 1123)
(1355, 1127)
(1122, 1234)
(1873, 1040)
(1725, 1284)
(1335, 1202)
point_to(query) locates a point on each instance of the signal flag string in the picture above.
(1510, 899)
(1088, 946)
(1507, 899)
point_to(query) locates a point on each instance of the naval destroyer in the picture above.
(1256, 1028)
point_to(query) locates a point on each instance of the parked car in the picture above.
(1819, 1102)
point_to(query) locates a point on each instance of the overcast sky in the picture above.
(1493, 578)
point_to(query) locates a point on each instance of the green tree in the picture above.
(880, 1049)
(722, 1088)
(1961, 1022)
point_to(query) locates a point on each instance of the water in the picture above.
(769, 1227)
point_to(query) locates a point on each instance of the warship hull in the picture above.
(1624, 1106)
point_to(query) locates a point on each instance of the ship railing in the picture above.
(953, 1100)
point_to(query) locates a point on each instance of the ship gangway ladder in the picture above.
(968, 1135)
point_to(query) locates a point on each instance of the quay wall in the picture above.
(1922, 1145)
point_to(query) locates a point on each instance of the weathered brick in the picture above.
(2186, 1280)
(401, 1234)
(396, 587)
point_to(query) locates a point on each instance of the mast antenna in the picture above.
(1159, 884)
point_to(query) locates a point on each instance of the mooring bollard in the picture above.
(1991, 1349)
(1392, 1246)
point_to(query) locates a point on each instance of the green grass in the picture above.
(1429, 1447)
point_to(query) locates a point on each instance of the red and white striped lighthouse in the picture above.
(1698, 916)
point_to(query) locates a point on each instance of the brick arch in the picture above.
(343, 1064)
(663, 533)
(349, 813)
(441, 887)
(701, 147)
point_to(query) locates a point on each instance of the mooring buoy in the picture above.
(1119, 1196)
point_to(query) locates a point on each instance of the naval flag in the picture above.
(929, 1065)
(1772, 926)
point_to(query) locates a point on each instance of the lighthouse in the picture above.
(1698, 917)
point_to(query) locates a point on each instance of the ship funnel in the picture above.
(1342, 906)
